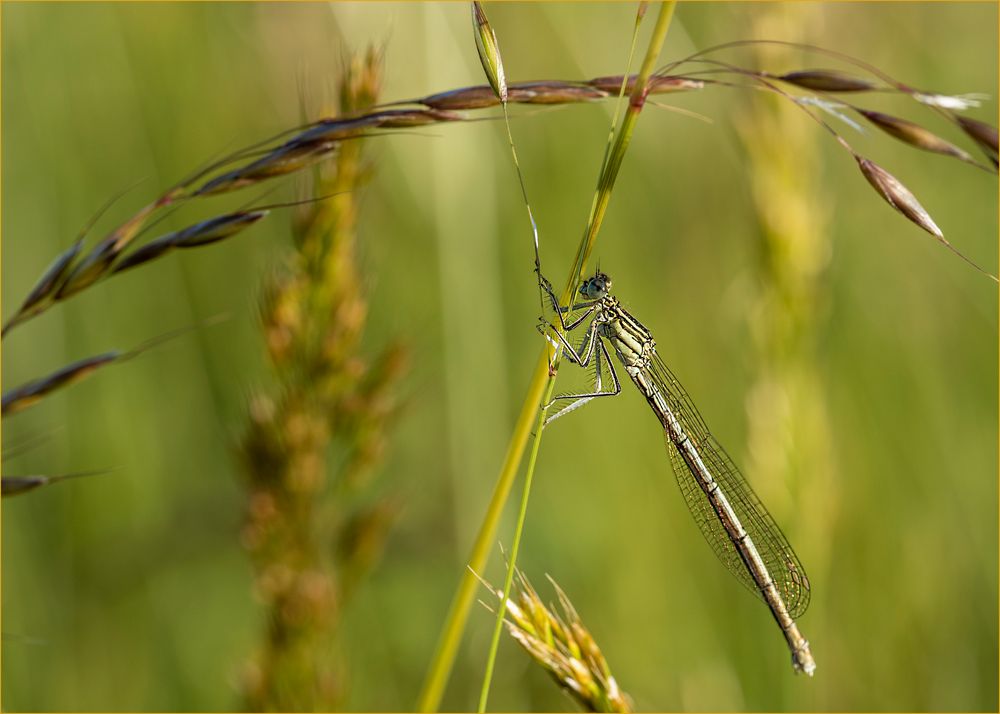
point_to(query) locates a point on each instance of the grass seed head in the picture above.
(218, 228)
(361, 83)
(24, 396)
(203, 233)
(402, 119)
(563, 646)
(53, 275)
(489, 51)
(550, 92)
(827, 80)
(16, 485)
(913, 134)
(655, 85)
(897, 195)
(88, 271)
(286, 159)
(151, 251)
(985, 135)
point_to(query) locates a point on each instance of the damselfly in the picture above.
(731, 517)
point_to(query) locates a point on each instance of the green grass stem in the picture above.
(515, 545)
(541, 384)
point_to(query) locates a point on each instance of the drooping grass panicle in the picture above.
(310, 143)
(68, 276)
(825, 83)
(303, 147)
(888, 186)
(830, 81)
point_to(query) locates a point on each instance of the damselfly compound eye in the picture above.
(596, 287)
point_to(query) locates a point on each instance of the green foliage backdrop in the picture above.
(130, 590)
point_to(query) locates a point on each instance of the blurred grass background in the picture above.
(130, 591)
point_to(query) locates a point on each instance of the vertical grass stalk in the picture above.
(542, 383)
(313, 530)
(515, 545)
(789, 432)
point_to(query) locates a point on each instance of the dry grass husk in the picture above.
(563, 646)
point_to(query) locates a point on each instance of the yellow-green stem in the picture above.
(516, 543)
(458, 613)
(610, 172)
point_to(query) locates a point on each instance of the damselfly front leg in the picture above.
(588, 305)
(591, 349)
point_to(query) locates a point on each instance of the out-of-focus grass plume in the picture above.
(312, 443)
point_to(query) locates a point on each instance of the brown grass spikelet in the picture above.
(913, 134)
(827, 80)
(902, 199)
(17, 485)
(280, 162)
(52, 277)
(550, 92)
(199, 234)
(30, 393)
(68, 274)
(562, 645)
(26, 395)
(97, 263)
(985, 135)
(898, 196)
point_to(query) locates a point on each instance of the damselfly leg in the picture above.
(591, 350)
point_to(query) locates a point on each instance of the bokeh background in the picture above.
(867, 420)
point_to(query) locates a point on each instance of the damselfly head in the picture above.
(596, 287)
